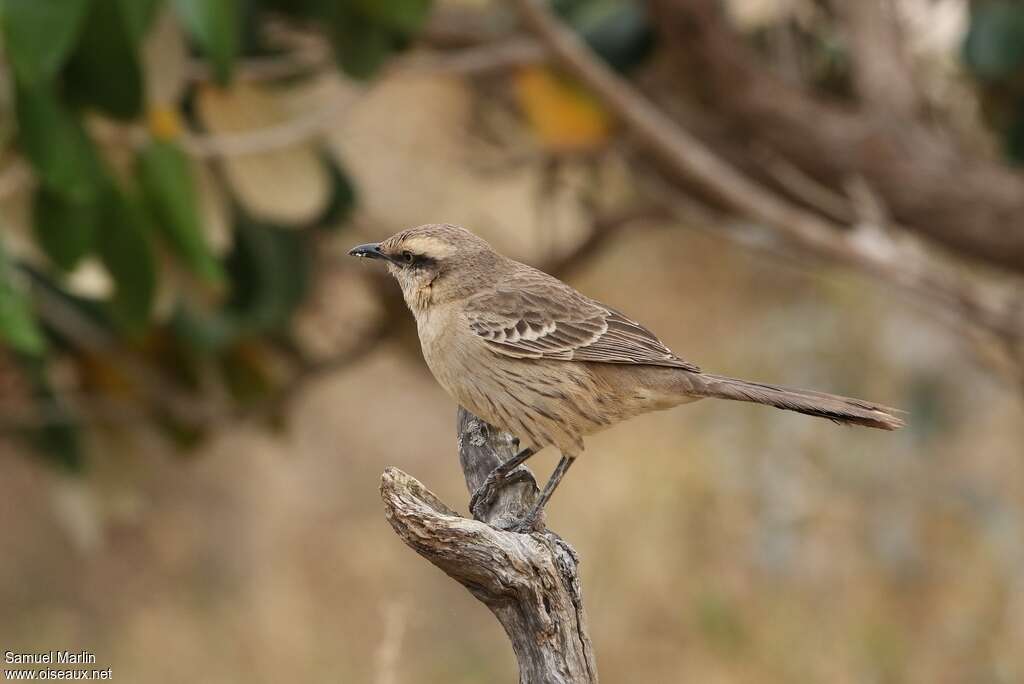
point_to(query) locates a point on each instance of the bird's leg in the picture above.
(498, 478)
(527, 524)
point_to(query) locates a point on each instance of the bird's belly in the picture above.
(540, 402)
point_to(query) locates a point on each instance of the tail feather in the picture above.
(831, 406)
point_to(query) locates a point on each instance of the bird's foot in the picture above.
(529, 523)
(485, 494)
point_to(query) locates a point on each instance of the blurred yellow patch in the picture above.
(164, 123)
(564, 115)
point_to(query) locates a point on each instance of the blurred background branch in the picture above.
(930, 181)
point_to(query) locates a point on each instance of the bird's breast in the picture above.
(440, 343)
(461, 363)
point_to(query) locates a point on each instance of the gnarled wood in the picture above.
(529, 581)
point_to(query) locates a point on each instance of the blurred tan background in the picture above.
(720, 542)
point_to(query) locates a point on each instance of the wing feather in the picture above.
(536, 316)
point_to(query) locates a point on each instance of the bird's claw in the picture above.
(527, 524)
(485, 494)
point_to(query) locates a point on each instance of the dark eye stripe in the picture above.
(418, 260)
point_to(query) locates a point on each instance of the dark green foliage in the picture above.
(994, 53)
(71, 55)
(78, 62)
(216, 29)
(104, 71)
(63, 227)
(39, 35)
(138, 15)
(18, 327)
(53, 139)
(269, 268)
(994, 48)
(343, 196)
(58, 440)
(166, 179)
(124, 243)
(618, 30)
(1014, 138)
(360, 45)
(402, 16)
(364, 33)
(269, 271)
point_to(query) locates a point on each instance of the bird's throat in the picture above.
(418, 298)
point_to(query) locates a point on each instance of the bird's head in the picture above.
(434, 263)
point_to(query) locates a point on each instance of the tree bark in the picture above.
(529, 581)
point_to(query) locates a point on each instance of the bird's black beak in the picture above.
(370, 250)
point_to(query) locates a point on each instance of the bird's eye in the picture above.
(408, 257)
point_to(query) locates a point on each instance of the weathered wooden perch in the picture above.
(529, 581)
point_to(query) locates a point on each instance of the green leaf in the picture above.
(618, 30)
(124, 244)
(360, 46)
(202, 331)
(18, 327)
(404, 16)
(138, 16)
(8, 127)
(104, 71)
(304, 9)
(59, 441)
(169, 188)
(40, 34)
(56, 144)
(270, 269)
(65, 229)
(343, 196)
(365, 33)
(1013, 138)
(216, 26)
(624, 38)
(994, 47)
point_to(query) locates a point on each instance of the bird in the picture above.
(534, 357)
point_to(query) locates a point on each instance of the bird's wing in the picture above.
(536, 318)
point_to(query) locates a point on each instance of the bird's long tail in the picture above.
(831, 406)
